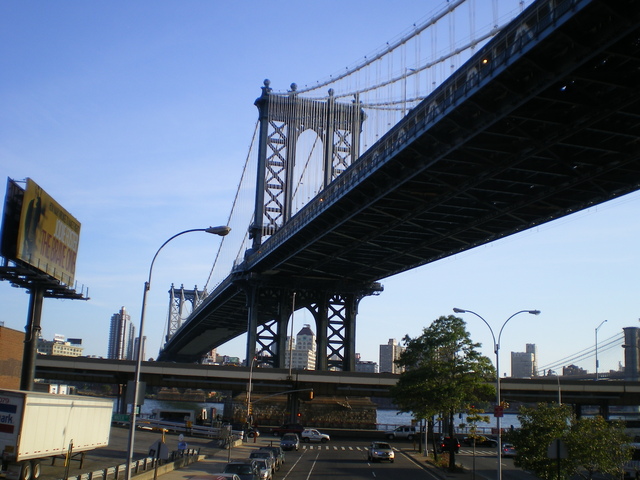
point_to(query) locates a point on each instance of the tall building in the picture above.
(531, 348)
(631, 353)
(389, 353)
(303, 350)
(121, 336)
(525, 364)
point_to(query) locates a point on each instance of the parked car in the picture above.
(313, 435)
(449, 444)
(245, 469)
(288, 428)
(278, 454)
(265, 470)
(407, 432)
(290, 441)
(508, 450)
(266, 455)
(381, 451)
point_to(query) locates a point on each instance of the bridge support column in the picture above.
(270, 310)
(335, 316)
(322, 323)
(252, 322)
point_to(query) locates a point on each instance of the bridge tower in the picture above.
(283, 118)
(177, 300)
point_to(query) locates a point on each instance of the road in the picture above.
(343, 459)
(338, 459)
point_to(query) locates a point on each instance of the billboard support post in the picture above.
(32, 333)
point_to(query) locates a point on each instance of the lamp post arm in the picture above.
(495, 345)
(505, 324)
(221, 231)
(214, 230)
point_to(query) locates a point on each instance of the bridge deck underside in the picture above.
(555, 132)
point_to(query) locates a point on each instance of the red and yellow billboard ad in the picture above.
(48, 235)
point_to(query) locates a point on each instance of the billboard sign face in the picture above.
(48, 236)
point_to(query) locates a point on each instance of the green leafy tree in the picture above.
(444, 371)
(593, 444)
(596, 445)
(475, 416)
(538, 428)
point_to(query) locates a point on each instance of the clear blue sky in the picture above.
(137, 117)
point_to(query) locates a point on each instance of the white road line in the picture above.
(294, 465)
(313, 466)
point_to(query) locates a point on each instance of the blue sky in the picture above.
(137, 117)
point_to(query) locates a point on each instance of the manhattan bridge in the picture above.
(487, 119)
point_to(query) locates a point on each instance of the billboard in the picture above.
(46, 235)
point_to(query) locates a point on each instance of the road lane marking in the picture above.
(313, 466)
(294, 465)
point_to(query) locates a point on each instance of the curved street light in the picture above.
(221, 231)
(496, 345)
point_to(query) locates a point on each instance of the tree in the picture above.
(474, 416)
(593, 444)
(596, 445)
(444, 371)
(538, 428)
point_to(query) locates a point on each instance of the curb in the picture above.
(424, 464)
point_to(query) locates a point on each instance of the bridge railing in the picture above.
(536, 22)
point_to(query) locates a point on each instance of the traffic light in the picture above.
(311, 395)
(250, 409)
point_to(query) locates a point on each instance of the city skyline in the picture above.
(136, 118)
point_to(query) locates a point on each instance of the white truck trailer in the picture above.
(36, 425)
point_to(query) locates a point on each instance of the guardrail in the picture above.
(179, 427)
(177, 459)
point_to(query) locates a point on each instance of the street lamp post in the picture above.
(221, 231)
(597, 363)
(249, 406)
(496, 344)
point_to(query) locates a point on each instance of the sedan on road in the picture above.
(508, 450)
(380, 451)
(290, 441)
(449, 444)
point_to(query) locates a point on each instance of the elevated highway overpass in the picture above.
(339, 384)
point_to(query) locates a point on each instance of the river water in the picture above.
(389, 418)
(386, 419)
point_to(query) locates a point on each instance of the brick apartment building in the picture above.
(11, 347)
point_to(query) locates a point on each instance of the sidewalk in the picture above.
(206, 464)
